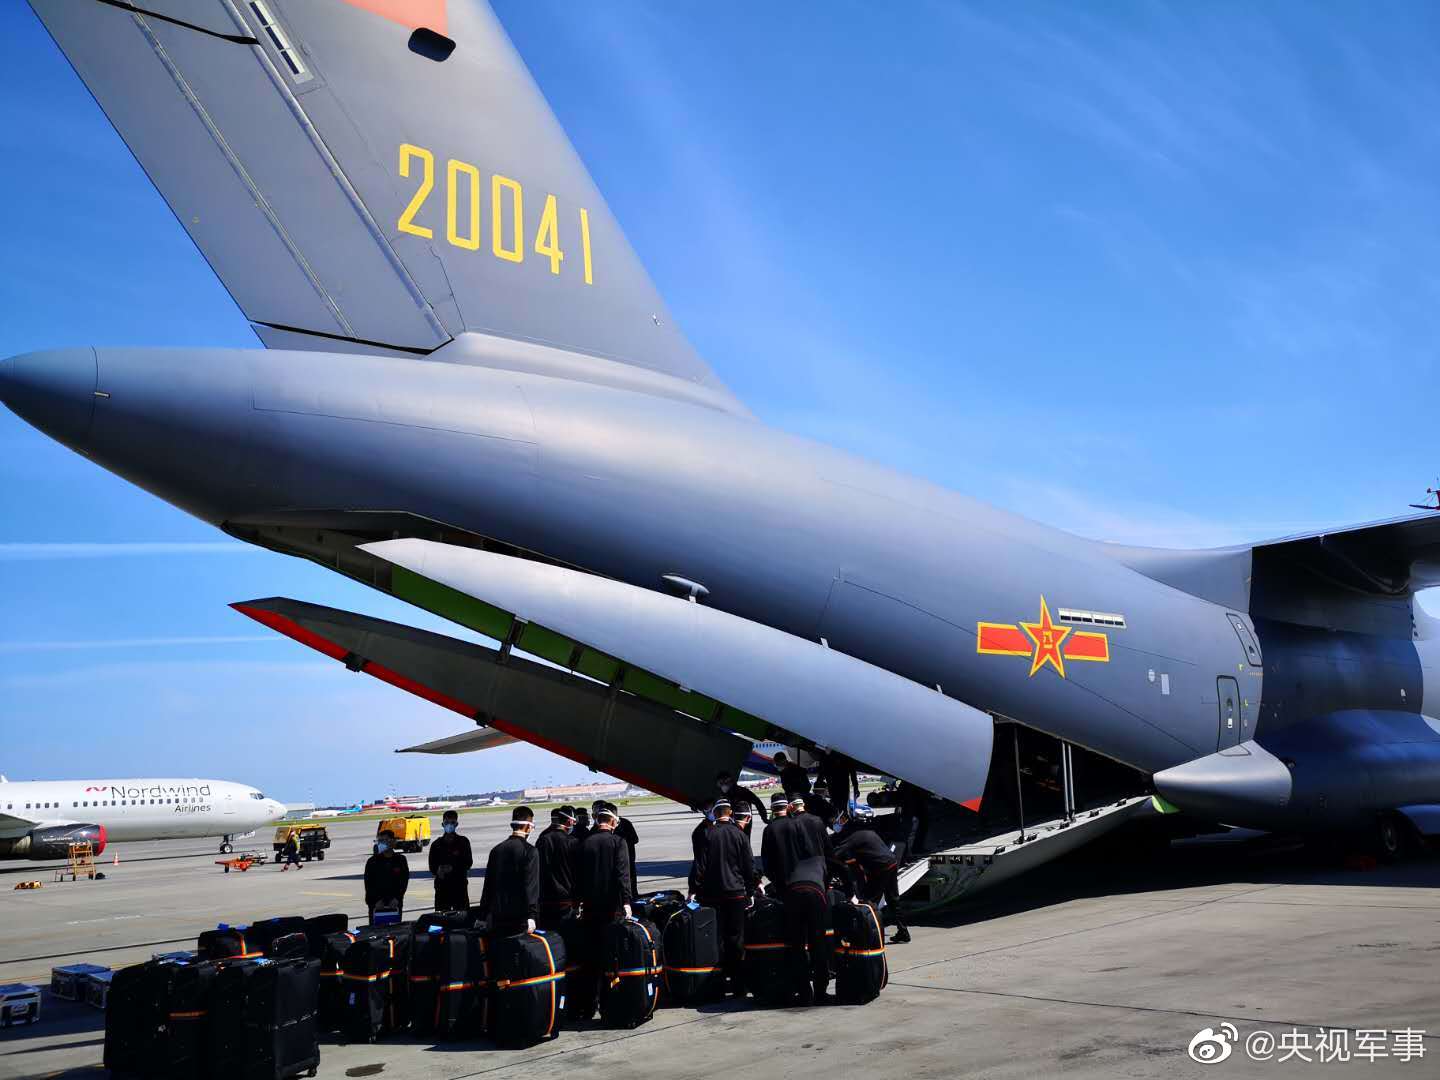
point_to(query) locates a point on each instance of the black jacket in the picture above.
(822, 808)
(559, 865)
(512, 882)
(795, 780)
(863, 849)
(604, 873)
(697, 837)
(450, 852)
(386, 878)
(777, 849)
(816, 838)
(725, 866)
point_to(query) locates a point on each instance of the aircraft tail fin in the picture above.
(373, 175)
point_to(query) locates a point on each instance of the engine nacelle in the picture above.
(53, 842)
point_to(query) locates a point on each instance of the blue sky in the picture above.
(1155, 273)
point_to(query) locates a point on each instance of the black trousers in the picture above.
(730, 915)
(884, 885)
(450, 897)
(807, 949)
(586, 992)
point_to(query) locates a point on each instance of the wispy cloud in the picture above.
(132, 643)
(29, 552)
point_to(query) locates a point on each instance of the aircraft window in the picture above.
(1093, 618)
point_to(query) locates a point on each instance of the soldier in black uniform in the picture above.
(511, 897)
(583, 828)
(812, 836)
(697, 835)
(793, 778)
(873, 866)
(777, 843)
(605, 896)
(807, 917)
(737, 795)
(841, 778)
(723, 877)
(559, 869)
(626, 832)
(450, 862)
(387, 876)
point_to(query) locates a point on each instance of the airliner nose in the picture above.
(53, 391)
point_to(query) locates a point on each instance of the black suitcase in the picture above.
(289, 947)
(462, 969)
(263, 931)
(375, 972)
(132, 1021)
(657, 908)
(691, 947)
(319, 927)
(331, 1014)
(281, 1038)
(527, 996)
(630, 969)
(448, 920)
(228, 943)
(225, 1025)
(155, 1019)
(767, 974)
(860, 968)
(186, 990)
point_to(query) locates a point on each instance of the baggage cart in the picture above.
(68, 980)
(19, 1004)
(97, 989)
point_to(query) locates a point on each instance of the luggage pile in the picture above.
(252, 1001)
(242, 1005)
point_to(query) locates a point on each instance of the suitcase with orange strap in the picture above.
(767, 975)
(527, 996)
(691, 947)
(331, 1005)
(375, 974)
(861, 971)
(630, 970)
(447, 977)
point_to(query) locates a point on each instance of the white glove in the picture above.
(530, 925)
(627, 912)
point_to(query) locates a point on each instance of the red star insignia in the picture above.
(1048, 638)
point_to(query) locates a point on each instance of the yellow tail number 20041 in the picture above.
(464, 191)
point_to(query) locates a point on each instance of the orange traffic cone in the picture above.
(117, 859)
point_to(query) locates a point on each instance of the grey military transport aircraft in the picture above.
(473, 398)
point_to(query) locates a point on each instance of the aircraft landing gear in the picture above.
(1390, 838)
(226, 847)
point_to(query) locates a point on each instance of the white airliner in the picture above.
(40, 819)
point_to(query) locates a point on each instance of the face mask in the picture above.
(725, 785)
(382, 847)
(449, 826)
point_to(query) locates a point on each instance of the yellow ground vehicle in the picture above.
(411, 833)
(311, 839)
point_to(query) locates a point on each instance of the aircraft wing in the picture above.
(1385, 557)
(378, 176)
(466, 742)
(14, 825)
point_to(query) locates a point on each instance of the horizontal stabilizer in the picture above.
(800, 687)
(466, 742)
(586, 721)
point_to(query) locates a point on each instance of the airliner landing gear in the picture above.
(226, 847)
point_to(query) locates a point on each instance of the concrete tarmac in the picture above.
(1099, 965)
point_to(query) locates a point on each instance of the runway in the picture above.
(1096, 966)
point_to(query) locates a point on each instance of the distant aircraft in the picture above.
(357, 808)
(40, 819)
(476, 401)
(1432, 491)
